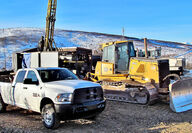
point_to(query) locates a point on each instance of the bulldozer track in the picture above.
(124, 92)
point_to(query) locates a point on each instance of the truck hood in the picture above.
(70, 85)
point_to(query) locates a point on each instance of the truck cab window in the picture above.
(32, 75)
(20, 77)
(56, 75)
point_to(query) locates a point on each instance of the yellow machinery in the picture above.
(128, 78)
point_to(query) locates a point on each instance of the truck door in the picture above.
(32, 92)
(18, 89)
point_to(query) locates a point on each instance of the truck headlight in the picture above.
(66, 97)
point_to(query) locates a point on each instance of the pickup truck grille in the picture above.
(87, 95)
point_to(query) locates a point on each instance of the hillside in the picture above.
(14, 39)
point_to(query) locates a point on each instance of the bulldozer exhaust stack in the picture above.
(145, 45)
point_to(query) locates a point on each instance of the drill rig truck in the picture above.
(128, 78)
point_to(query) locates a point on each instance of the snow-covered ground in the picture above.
(14, 39)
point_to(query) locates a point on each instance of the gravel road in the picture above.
(117, 117)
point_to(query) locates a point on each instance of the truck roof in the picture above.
(44, 68)
(48, 68)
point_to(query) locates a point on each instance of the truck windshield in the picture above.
(56, 75)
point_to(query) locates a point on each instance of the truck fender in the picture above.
(45, 101)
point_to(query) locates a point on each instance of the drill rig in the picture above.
(128, 78)
(50, 25)
(77, 59)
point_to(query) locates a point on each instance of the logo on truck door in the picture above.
(36, 95)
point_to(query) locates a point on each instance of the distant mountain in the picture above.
(14, 39)
(188, 43)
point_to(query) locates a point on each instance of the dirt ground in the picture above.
(117, 117)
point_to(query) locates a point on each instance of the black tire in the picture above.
(49, 116)
(2, 105)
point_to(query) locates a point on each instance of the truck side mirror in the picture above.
(29, 81)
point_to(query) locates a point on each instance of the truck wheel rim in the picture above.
(48, 118)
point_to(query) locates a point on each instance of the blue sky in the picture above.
(162, 19)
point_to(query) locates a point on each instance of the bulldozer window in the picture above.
(131, 50)
(123, 57)
(109, 54)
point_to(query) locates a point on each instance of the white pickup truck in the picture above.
(56, 93)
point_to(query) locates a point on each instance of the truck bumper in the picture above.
(76, 111)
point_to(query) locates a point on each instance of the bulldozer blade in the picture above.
(181, 95)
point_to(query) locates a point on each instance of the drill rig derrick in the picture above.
(50, 26)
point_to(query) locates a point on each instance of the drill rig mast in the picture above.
(50, 25)
(76, 59)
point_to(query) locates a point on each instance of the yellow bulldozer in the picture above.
(128, 78)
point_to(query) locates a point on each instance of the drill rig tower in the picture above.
(50, 25)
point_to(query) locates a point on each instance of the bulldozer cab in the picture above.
(119, 53)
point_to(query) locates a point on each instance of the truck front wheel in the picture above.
(50, 118)
(2, 105)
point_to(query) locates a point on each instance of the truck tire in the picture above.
(2, 105)
(50, 118)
